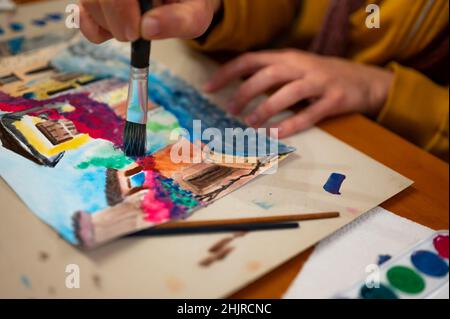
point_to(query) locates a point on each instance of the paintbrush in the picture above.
(232, 225)
(250, 220)
(135, 136)
(213, 229)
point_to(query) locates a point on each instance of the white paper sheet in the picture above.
(341, 260)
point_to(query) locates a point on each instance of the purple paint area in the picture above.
(334, 183)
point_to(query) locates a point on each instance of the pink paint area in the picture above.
(352, 210)
(96, 119)
(441, 245)
(155, 209)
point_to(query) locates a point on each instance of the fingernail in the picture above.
(151, 27)
(252, 119)
(131, 34)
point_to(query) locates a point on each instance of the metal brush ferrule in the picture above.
(137, 104)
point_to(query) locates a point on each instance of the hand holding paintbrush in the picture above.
(135, 135)
(102, 20)
(125, 21)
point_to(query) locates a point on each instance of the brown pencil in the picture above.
(251, 220)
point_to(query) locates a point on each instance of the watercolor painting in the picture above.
(61, 126)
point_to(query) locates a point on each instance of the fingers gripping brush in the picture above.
(135, 135)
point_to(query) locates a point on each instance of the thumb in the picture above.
(186, 20)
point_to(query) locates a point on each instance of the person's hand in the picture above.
(102, 20)
(331, 86)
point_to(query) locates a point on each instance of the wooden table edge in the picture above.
(348, 128)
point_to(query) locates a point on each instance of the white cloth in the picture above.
(340, 261)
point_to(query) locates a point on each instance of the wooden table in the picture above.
(426, 202)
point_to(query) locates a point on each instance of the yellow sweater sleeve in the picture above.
(247, 24)
(418, 109)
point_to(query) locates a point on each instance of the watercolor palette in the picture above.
(421, 272)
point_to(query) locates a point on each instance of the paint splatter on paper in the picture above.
(263, 204)
(61, 148)
(334, 183)
(382, 259)
(25, 281)
(220, 250)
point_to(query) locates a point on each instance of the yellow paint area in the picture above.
(27, 126)
(66, 108)
(115, 97)
(41, 87)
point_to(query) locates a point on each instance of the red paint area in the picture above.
(147, 163)
(96, 119)
(441, 245)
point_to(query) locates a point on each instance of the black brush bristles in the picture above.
(134, 139)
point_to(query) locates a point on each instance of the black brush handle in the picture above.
(140, 49)
(213, 229)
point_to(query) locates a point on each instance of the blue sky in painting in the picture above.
(55, 194)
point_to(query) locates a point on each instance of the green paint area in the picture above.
(161, 120)
(178, 195)
(158, 127)
(116, 162)
(406, 279)
(381, 292)
(106, 156)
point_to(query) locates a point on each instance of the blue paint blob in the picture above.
(137, 180)
(15, 45)
(25, 281)
(16, 26)
(28, 95)
(383, 258)
(56, 16)
(334, 183)
(2, 31)
(39, 22)
(429, 263)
